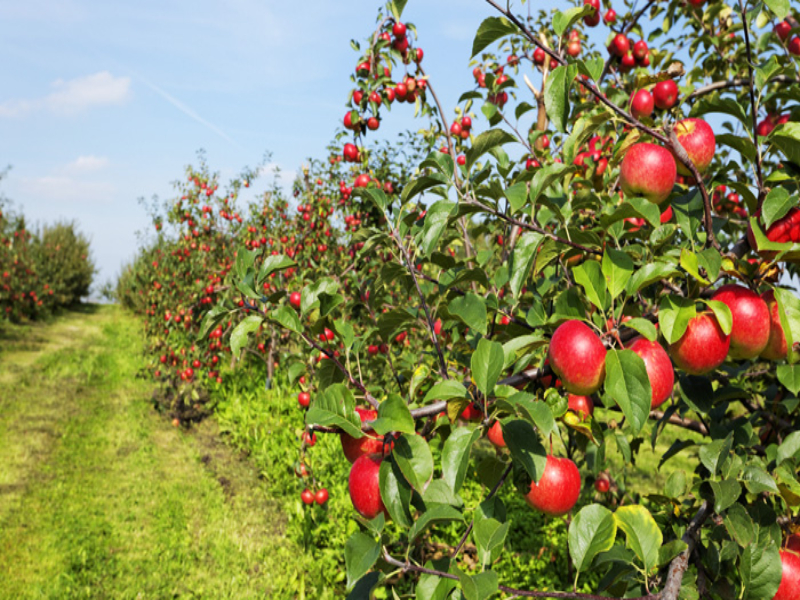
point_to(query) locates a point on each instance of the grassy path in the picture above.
(102, 498)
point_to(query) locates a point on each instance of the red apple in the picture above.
(294, 299)
(642, 104)
(321, 497)
(619, 45)
(648, 171)
(751, 320)
(364, 486)
(776, 346)
(793, 543)
(703, 347)
(304, 399)
(640, 50)
(790, 577)
(659, 369)
(577, 357)
(472, 412)
(354, 448)
(697, 138)
(580, 405)
(594, 18)
(495, 435)
(307, 497)
(794, 46)
(783, 29)
(602, 484)
(611, 17)
(665, 94)
(558, 489)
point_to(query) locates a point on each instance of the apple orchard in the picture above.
(590, 253)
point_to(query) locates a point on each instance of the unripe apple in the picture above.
(495, 435)
(648, 171)
(776, 346)
(642, 104)
(703, 347)
(577, 357)
(665, 94)
(790, 577)
(354, 448)
(697, 138)
(751, 320)
(583, 406)
(659, 369)
(364, 486)
(558, 489)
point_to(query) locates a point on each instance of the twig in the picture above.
(678, 566)
(753, 109)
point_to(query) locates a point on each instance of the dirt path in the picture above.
(101, 498)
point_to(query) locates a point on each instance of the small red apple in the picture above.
(703, 347)
(583, 406)
(304, 399)
(697, 138)
(665, 94)
(577, 357)
(307, 497)
(642, 104)
(364, 486)
(751, 320)
(611, 17)
(794, 46)
(783, 29)
(620, 45)
(472, 412)
(354, 448)
(495, 435)
(649, 171)
(559, 488)
(321, 496)
(790, 577)
(294, 299)
(793, 543)
(602, 484)
(659, 369)
(776, 346)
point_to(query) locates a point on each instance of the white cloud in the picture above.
(86, 164)
(74, 95)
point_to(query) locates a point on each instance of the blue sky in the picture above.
(105, 102)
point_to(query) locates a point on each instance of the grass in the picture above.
(101, 498)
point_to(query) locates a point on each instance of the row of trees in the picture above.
(41, 270)
(598, 244)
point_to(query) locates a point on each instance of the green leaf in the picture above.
(478, 587)
(779, 7)
(374, 194)
(757, 480)
(789, 448)
(643, 326)
(690, 263)
(486, 141)
(789, 376)
(591, 532)
(633, 207)
(311, 293)
(393, 415)
(628, 385)
(535, 411)
(641, 532)
(718, 104)
(364, 586)
(244, 262)
(486, 365)
(564, 20)
(556, 95)
(433, 587)
(776, 204)
(742, 145)
(239, 334)
(395, 492)
(669, 551)
(390, 322)
(525, 447)
(649, 274)
(726, 492)
(422, 183)
(455, 456)
(360, 553)
(273, 264)
(438, 514)
(676, 484)
(740, 525)
(522, 259)
(445, 390)
(413, 456)
(491, 30)
(674, 314)
(713, 454)
(789, 313)
(722, 312)
(287, 318)
(617, 269)
(435, 224)
(490, 535)
(591, 67)
(590, 277)
(760, 570)
(547, 176)
(335, 406)
(787, 138)
(471, 309)
(516, 195)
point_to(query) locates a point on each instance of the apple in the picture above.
(321, 496)
(793, 543)
(790, 577)
(580, 405)
(307, 497)
(577, 357)
(659, 369)
(354, 448)
(649, 171)
(703, 347)
(783, 29)
(640, 50)
(665, 94)
(593, 19)
(558, 489)
(539, 56)
(399, 30)
(602, 484)
(294, 299)
(472, 412)
(495, 435)
(611, 17)
(642, 104)
(304, 399)
(794, 46)
(751, 320)
(697, 138)
(620, 45)
(776, 346)
(364, 486)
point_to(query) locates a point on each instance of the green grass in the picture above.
(101, 498)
